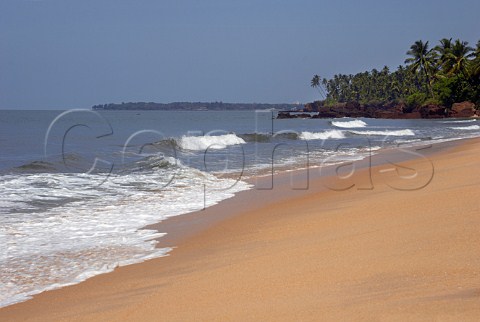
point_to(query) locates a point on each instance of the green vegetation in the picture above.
(445, 74)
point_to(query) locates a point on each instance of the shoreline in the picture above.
(184, 229)
(181, 227)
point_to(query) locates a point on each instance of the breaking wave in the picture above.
(349, 124)
(199, 143)
(406, 132)
(460, 121)
(332, 134)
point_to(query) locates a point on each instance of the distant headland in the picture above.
(196, 106)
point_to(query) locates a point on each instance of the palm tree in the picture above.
(444, 50)
(457, 59)
(476, 62)
(315, 83)
(422, 60)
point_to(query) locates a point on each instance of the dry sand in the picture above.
(281, 255)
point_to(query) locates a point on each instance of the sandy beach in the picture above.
(388, 244)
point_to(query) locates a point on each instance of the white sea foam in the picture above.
(467, 128)
(349, 124)
(54, 232)
(460, 121)
(200, 143)
(331, 134)
(406, 132)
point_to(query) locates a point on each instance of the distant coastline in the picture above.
(316, 109)
(196, 106)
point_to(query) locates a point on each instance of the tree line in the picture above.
(193, 106)
(441, 75)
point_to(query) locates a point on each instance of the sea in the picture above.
(77, 187)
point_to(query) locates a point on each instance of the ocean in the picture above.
(78, 186)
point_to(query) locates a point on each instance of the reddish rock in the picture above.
(464, 109)
(411, 116)
(386, 115)
(432, 111)
(391, 110)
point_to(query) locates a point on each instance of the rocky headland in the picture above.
(385, 111)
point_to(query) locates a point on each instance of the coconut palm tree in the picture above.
(315, 83)
(476, 62)
(422, 61)
(443, 50)
(457, 59)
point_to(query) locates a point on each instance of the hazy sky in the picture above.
(77, 53)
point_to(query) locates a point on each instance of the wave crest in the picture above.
(468, 128)
(37, 166)
(256, 137)
(349, 124)
(153, 162)
(199, 143)
(461, 121)
(406, 132)
(332, 134)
